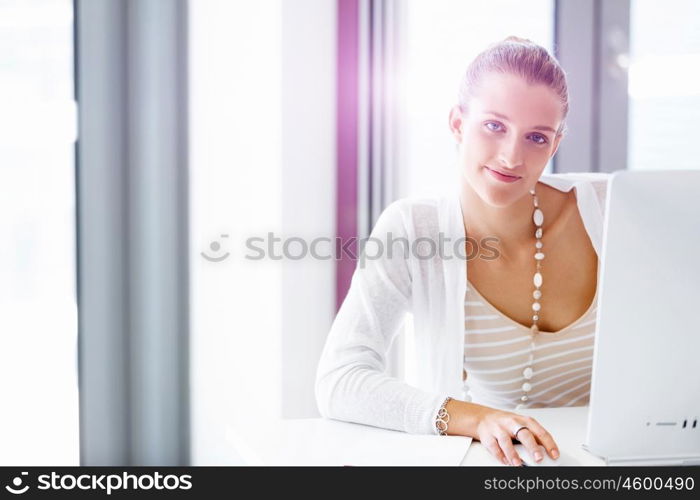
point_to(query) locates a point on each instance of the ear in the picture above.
(455, 122)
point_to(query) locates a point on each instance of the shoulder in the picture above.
(599, 182)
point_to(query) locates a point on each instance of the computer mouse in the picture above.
(529, 461)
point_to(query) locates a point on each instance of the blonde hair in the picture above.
(522, 57)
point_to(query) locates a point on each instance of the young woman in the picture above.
(501, 278)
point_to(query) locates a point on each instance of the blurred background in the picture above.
(143, 143)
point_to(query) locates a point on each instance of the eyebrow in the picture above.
(538, 127)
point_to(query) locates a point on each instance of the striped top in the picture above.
(497, 349)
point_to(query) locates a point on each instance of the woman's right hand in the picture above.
(495, 428)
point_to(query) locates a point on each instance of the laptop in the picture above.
(645, 388)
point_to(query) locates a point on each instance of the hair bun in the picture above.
(513, 38)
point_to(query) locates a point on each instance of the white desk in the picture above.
(318, 441)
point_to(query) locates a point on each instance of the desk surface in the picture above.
(318, 441)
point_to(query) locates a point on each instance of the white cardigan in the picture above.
(351, 382)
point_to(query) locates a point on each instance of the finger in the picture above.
(543, 437)
(492, 446)
(506, 443)
(528, 439)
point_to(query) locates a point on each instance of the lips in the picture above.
(502, 173)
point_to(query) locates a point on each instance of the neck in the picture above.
(511, 225)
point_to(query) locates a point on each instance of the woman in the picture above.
(501, 279)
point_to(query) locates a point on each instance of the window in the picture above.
(664, 85)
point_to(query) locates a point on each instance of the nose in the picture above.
(511, 153)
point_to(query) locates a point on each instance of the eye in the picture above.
(491, 123)
(544, 139)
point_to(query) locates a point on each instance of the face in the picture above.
(510, 143)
